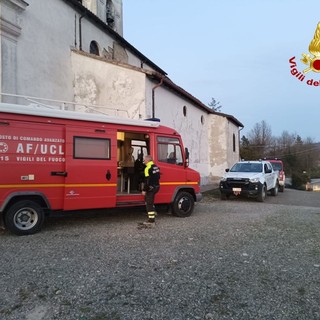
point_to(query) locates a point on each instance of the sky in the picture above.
(237, 52)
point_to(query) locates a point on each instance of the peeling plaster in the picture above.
(123, 85)
(85, 91)
(115, 90)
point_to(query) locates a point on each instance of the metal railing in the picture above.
(61, 105)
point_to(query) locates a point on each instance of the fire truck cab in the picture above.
(54, 160)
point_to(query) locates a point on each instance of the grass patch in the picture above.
(24, 294)
(301, 291)
(102, 316)
(211, 195)
(85, 309)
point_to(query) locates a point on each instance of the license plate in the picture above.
(236, 189)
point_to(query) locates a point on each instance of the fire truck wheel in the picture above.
(183, 204)
(24, 217)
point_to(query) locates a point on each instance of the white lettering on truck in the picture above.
(30, 148)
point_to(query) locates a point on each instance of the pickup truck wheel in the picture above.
(183, 204)
(262, 195)
(274, 191)
(24, 217)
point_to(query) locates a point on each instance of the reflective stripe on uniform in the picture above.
(151, 214)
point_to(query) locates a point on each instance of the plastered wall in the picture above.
(112, 89)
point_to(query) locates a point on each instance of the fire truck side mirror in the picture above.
(187, 157)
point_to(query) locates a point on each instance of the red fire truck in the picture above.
(54, 160)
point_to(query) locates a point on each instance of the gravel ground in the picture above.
(236, 259)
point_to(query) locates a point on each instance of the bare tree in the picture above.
(286, 140)
(301, 158)
(281, 145)
(261, 138)
(215, 105)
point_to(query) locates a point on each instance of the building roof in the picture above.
(167, 82)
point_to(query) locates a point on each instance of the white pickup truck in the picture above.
(251, 179)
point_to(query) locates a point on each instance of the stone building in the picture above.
(72, 53)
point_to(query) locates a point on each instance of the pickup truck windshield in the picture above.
(247, 167)
(276, 166)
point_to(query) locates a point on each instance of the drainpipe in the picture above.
(80, 32)
(153, 96)
(239, 142)
(75, 31)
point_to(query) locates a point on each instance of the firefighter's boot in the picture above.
(151, 216)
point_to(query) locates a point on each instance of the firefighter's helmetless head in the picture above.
(147, 159)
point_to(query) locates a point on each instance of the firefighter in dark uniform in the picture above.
(151, 187)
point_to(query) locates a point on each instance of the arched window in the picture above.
(110, 12)
(94, 48)
(185, 111)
